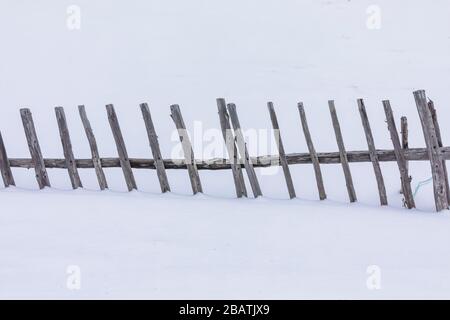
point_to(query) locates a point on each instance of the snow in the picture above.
(185, 247)
(148, 245)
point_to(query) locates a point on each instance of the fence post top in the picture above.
(419, 92)
(361, 105)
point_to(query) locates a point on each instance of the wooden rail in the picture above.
(413, 154)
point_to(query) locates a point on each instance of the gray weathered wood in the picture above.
(412, 154)
(242, 147)
(429, 132)
(230, 144)
(404, 131)
(373, 153)
(121, 148)
(405, 142)
(35, 149)
(187, 149)
(343, 152)
(439, 138)
(279, 142)
(5, 167)
(67, 148)
(312, 153)
(154, 145)
(94, 149)
(239, 165)
(400, 156)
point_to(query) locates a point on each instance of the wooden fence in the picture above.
(239, 159)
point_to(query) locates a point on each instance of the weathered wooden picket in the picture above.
(239, 158)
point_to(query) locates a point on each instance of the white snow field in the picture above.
(147, 245)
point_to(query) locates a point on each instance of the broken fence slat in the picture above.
(405, 142)
(429, 132)
(67, 148)
(230, 144)
(399, 154)
(5, 167)
(35, 149)
(94, 149)
(343, 152)
(439, 138)
(154, 145)
(279, 142)
(373, 152)
(194, 177)
(312, 152)
(121, 148)
(404, 131)
(242, 147)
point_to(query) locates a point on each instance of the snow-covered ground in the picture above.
(181, 247)
(213, 246)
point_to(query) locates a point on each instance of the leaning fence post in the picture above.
(154, 145)
(342, 152)
(35, 149)
(187, 149)
(400, 156)
(373, 153)
(244, 151)
(312, 152)
(431, 141)
(439, 138)
(230, 144)
(279, 142)
(5, 167)
(67, 148)
(94, 149)
(121, 148)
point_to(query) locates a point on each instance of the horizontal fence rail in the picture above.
(413, 154)
(239, 161)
